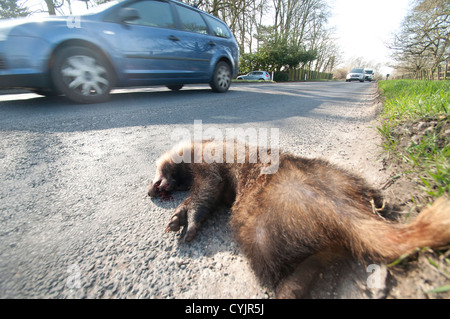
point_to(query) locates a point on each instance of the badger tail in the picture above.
(386, 242)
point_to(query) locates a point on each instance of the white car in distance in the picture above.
(356, 75)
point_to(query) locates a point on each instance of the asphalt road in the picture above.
(76, 220)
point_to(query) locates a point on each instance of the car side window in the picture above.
(191, 20)
(153, 14)
(218, 28)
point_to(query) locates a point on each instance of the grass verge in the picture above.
(415, 124)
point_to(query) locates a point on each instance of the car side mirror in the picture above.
(127, 14)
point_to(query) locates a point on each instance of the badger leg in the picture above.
(204, 198)
(299, 282)
(179, 218)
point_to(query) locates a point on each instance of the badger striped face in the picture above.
(163, 182)
(169, 176)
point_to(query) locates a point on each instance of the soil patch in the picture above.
(418, 276)
(423, 274)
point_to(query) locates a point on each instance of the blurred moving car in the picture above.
(369, 75)
(256, 75)
(356, 75)
(130, 43)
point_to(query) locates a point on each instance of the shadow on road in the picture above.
(159, 106)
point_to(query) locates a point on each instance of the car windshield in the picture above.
(369, 72)
(357, 71)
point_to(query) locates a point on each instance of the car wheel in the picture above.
(221, 79)
(175, 87)
(82, 75)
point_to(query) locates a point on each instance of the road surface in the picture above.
(76, 221)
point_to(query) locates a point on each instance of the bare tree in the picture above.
(300, 23)
(12, 9)
(52, 5)
(424, 40)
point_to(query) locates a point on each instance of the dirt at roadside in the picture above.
(416, 276)
(421, 274)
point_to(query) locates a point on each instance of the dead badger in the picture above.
(290, 221)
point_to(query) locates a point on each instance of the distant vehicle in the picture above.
(356, 75)
(369, 75)
(255, 75)
(130, 43)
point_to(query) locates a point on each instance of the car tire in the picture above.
(82, 75)
(221, 79)
(175, 87)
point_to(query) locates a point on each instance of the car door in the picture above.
(150, 43)
(196, 45)
(254, 76)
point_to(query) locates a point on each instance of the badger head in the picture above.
(169, 176)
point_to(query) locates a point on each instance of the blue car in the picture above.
(130, 43)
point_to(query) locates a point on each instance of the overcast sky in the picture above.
(364, 26)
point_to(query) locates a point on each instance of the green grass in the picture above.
(410, 99)
(427, 158)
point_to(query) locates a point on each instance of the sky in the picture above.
(363, 27)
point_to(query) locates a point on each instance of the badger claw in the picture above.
(178, 219)
(174, 224)
(189, 234)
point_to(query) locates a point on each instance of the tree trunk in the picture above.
(51, 7)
